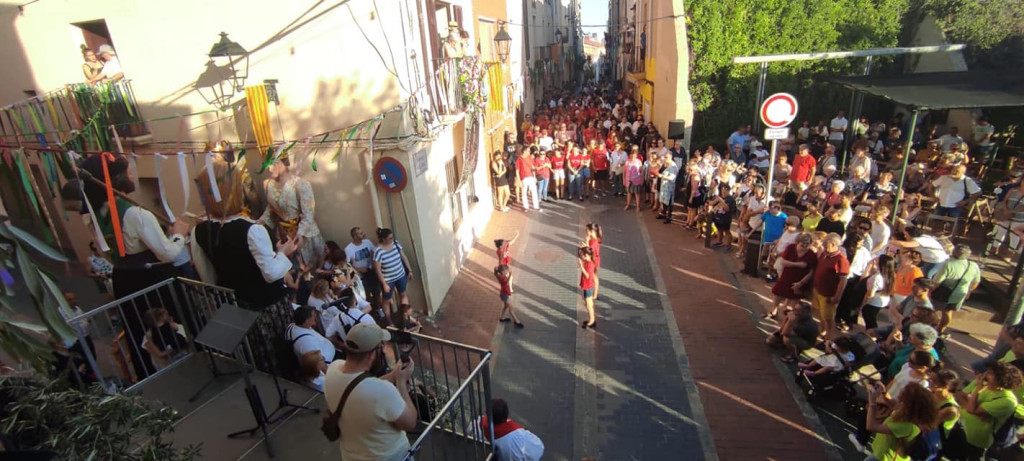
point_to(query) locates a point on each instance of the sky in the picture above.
(594, 12)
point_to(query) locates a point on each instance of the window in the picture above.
(486, 29)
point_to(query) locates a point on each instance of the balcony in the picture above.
(452, 85)
(81, 116)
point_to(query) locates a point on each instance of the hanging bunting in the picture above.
(117, 139)
(23, 174)
(132, 166)
(183, 173)
(158, 160)
(213, 177)
(115, 217)
(72, 157)
(259, 115)
(315, 150)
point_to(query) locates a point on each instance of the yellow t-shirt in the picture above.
(810, 223)
(885, 447)
(999, 404)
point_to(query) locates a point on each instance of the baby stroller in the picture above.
(839, 385)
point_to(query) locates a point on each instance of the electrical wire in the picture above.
(379, 55)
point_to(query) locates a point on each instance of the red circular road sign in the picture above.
(390, 174)
(778, 110)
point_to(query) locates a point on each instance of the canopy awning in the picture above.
(943, 90)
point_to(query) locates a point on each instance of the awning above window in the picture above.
(943, 90)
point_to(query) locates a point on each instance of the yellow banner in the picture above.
(259, 115)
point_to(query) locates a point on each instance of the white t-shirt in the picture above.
(880, 233)
(111, 68)
(836, 128)
(360, 256)
(951, 190)
(900, 381)
(947, 140)
(310, 340)
(316, 303)
(338, 321)
(519, 445)
(366, 420)
(980, 131)
(546, 142)
(859, 262)
(876, 283)
(931, 250)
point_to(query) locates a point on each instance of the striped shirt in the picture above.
(390, 262)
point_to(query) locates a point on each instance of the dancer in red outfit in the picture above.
(504, 249)
(504, 276)
(594, 238)
(586, 263)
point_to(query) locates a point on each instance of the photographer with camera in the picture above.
(370, 413)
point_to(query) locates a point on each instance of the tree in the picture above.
(982, 24)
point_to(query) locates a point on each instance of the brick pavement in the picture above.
(749, 405)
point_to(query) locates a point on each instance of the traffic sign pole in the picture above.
(771, 171)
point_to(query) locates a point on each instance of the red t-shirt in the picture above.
(558, 162)
(575, 161)
(595, 245)
(528, 137)
(543, 167)
(599, 158)
(506, 287)
(803, 168)
(525, 167)
(504, 255)
(587, 283)
(589, 134)
(831, 269)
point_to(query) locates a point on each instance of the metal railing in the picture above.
(449, 92)
(137, 342)
(452, 390)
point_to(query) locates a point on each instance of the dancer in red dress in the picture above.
(504, 276)
(586, 263)
(594, 238)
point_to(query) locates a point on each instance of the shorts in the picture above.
(601, 175)
(400, 285)
(500, 181)
(588, 293)
(634, 189)
(723, 222)
(505, 298)
(558, 174)
(944, 307)
(824, 306)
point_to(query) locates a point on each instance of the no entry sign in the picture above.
(390, 174)
(778, 110)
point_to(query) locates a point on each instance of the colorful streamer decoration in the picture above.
(213, 178)
(158, 160)
(115, 218)
(259, 115)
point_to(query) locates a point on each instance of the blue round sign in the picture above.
(390, 174)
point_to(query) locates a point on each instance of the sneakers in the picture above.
(506, 210)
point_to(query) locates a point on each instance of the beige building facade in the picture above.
(375, 66)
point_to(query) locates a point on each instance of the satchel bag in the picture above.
(942, 292)
(331, 426)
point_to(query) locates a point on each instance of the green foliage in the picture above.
(21, 339)
(724, 94)
(982, 24)
(89, 425)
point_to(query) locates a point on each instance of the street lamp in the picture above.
(222, 79)
(502, 41)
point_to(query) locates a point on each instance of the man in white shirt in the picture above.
(546, 141)
(360, 255)
(378, 411)
(111, 70)
(983, 144)
(837, 128)
(346, 314)
(955, 191)
(947, 140)
(304, 338)
(512, 442)
(759, 158)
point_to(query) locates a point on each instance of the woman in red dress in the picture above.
(798, 263)
(585, 260)
(594, 238)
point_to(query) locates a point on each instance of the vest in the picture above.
(227, 247)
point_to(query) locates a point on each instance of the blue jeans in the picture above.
(617, 187)
(575, 185)
(952, 212)
(542, 188)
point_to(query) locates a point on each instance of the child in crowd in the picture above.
(811, 218)
(403, 320)
(165, 339)
(504, 277)
(789, 235)
(838, 355)
(723, 207)
(313, 368)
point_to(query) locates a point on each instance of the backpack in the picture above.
(926, 446)
(288, 365)
(355, 320)
(954, 443)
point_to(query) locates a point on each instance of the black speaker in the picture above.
(677, 129)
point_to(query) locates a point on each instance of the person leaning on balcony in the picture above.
(92, 65)
(111, 71)
(148, 252)
(233, 251)
(378, 410)
(453, 43)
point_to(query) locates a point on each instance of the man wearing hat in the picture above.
(378, 411)
(111, 66)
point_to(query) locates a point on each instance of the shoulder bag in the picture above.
(942, 292)
(331, 426)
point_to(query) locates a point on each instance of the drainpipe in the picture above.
(374, 198)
